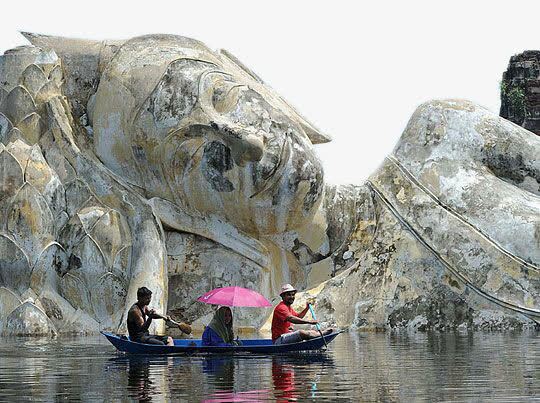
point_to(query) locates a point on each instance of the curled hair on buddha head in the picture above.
(143, 292)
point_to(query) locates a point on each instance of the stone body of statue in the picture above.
(156, 161)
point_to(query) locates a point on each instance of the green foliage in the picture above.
(516, 98)
(504, 88)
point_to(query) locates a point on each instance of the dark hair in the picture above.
(143, 292)
(225, 308)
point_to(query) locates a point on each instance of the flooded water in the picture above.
(357, 367)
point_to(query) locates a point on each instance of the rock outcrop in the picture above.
(159, 162)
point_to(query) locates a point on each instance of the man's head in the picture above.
(144, 295)
(288, 293)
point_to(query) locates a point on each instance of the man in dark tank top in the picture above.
(140, 318)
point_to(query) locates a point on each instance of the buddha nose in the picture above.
(246, 144)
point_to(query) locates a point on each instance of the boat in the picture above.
(194, 346)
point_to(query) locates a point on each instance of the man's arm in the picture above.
(303, 313)
(299, 321)
(152, 314)
(139, 320)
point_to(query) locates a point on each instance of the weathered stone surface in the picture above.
(158, 162)
(92, 272)
(8, 302)
(28, 319)
(196, 265)
(456, 242)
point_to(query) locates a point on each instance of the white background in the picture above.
(356, 70)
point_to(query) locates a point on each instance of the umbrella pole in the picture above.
(232, 313)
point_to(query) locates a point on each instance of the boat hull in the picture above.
(193, 346)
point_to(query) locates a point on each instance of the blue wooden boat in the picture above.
(194, 346)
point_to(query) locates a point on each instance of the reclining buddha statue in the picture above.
(157, 161)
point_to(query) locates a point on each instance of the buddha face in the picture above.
(199, 130)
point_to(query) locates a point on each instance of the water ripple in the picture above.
(358, 367)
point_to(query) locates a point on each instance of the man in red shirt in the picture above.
(285, 316)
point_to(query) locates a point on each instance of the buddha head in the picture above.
(198, 129)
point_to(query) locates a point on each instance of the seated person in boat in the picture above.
(220, 330)
(140, 318)
(285, 316)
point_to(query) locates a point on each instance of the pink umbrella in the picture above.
(234, 296)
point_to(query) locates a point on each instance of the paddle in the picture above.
(184, 327)
(317, 325)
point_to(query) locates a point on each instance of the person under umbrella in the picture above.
(219, 331)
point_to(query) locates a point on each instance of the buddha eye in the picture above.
(226, 96)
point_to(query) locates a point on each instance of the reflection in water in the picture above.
(250, 396)
(283, 377)
(358, 367)
(140, 385)
(220, 371)
(312, 367)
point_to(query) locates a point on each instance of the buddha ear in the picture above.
(83, 61)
